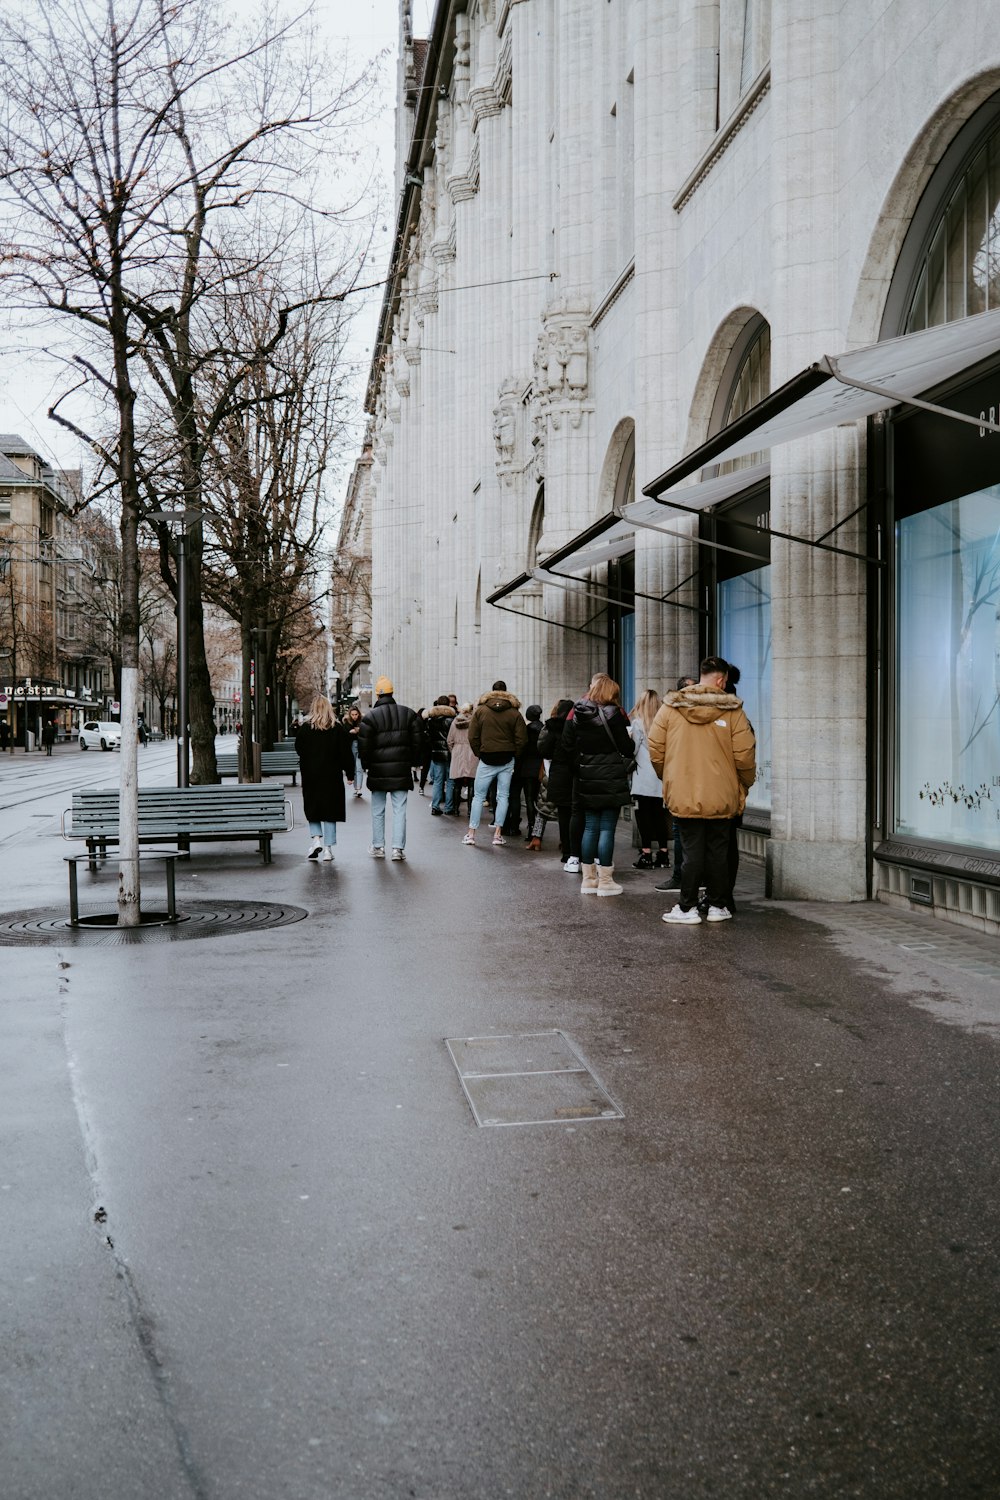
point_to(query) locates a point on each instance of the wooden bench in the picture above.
(276, 762)
(182, 815)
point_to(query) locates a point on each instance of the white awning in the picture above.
(848, 387)
(700, 496)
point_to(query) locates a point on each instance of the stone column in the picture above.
(818, 599)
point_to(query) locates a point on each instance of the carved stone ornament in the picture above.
(507, 424)
(483, 100)
(562, 357)
(400, 369)
(443, 244)
(459, 184)
(537, 440)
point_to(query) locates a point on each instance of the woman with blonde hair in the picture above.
(326, 760)
(597, 740)
(652, 818)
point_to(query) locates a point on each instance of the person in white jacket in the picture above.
(652, 818)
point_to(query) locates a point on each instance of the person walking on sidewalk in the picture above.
(437, 722)
(352, 723)
(325, 760)
(597, 740)
(497, 734)
(391, 743)
(703, 747)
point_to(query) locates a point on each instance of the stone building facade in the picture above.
(351, 587)
(628, 234)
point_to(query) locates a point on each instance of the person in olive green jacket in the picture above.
(703, 748)
(497, 734)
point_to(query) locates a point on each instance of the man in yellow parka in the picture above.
(702, 747)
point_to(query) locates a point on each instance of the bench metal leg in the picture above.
(171, 892)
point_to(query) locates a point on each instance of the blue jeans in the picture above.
(599, 824)
(325, 831)
(442, 786)
(398, 819)
(359, 774)
(485, 777)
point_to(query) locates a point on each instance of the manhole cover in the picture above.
(197, 919)
(533, 1078)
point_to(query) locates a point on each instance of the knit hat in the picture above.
(383, 685)
(533, 711)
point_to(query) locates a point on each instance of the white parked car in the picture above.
(96, 733)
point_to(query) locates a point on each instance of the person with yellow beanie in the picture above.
(390, 742)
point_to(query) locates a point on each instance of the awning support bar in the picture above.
(832, 365)
(783, 536)
(607, 599)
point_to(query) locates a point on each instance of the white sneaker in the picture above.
(719, 914)
(572, 865)
(315, 848)
(679, 915)
(470, 837)
(327, 855)
(376, 851)
(398, 854)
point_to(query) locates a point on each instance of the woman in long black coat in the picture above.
(326, 759)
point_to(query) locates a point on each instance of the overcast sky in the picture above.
(29, 383)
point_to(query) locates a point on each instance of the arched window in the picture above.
(536, 529)
(944, 520)
(960, 270)
(747, 380)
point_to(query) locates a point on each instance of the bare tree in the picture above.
(131, 133)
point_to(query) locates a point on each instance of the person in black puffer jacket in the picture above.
(597, 740)
(390, 742)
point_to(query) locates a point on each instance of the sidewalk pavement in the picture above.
(257, 1246)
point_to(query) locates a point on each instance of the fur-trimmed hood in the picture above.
(498, 701)
(700, 705)
(440, 711)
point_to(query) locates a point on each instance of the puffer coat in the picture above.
(702, 743)
(561, 772)
(391, 743)
(326, 756)
(600, 755)
(437, 722)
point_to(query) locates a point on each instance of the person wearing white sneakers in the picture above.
(326, 760)
(391, 741)
(702, 745)
(497, 735)
(598, 743)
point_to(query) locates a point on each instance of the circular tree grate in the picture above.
(196, 919)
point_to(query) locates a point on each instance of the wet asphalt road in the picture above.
(312, 1275)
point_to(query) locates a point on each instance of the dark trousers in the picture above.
(705, 848)
(651, 821)
(512, 822)
(733, 858)
(530, 788)
(576, 822)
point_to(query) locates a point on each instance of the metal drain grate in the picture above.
(197, 919)
(535, 1078)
